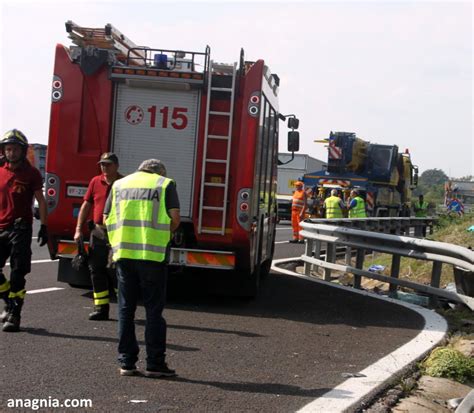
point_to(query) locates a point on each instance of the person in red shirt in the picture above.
(19, 183)
(94, 199)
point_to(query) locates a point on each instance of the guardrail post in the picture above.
(360, 256)
(398, 227)
(464, 281)
(317, 249)
(394, 272)
(348, 256)
(308, 253)
(435, 281)
(330, 257)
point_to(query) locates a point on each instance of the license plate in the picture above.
(76, 191)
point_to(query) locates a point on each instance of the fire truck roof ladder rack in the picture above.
(104, 38)
(216, 69)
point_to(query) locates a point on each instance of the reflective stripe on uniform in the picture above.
(101, 301)
(19, 294)
(5, 286)
(101, 294)
(137, 223)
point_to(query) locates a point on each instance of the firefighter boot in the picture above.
(12, 323)
(5, 288)
(4, 315)
(101, 312)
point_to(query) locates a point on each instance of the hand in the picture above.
(77, 235)
(43, 235)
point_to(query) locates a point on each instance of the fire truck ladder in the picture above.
(104, 38)
(217, 69)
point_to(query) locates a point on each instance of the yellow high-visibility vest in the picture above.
(422, 209)
(138, 224)
(333, 208)
(359, 210)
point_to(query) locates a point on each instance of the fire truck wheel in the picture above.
(250, 284)
(265, 268)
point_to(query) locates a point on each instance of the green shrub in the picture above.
(451, 364)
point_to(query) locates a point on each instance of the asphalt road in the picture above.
(276, 353)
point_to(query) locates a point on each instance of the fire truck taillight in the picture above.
(52, 190)
(245, 195)
(243, 208)
(57, 92)
(254, 104)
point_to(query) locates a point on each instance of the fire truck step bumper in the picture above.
(202, 258)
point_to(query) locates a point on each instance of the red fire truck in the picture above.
(215, 127)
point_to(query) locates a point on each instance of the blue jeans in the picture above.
(149, 278)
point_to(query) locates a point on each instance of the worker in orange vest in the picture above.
(298, 208)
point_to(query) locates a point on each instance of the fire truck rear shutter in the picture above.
(161, 124)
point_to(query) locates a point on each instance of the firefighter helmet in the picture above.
(17, 137)
(14, 136)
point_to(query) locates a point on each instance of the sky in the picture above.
(396, 72)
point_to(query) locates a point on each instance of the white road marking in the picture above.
(282, 242)
(44, 290)
(283, 229)
(353, 391)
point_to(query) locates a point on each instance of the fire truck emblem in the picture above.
(134, 114)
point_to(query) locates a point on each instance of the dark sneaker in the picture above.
(301, 241)
(293, 241)
(12, 323)
(128, 370)
(160, 371)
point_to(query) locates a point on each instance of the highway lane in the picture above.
(275, 353)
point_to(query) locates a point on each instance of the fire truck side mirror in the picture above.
(293, 123)
(293, 141)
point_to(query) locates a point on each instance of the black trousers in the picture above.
(15, 243)
(98, 266)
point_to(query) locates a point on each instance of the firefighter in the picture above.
(141, 212)
(20, 182)
(333, 205)
(421, 211)
(94, 199)
(298, 209)
(356, 205)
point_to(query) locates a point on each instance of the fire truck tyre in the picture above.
(249, 284)
(265, 268)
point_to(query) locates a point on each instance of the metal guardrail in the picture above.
(389, 225)
(360, 241)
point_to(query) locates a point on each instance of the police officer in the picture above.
(19, 183)
(94, 199)
(357, 205)
(298, 209)
(333, 205)
(142, 211)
